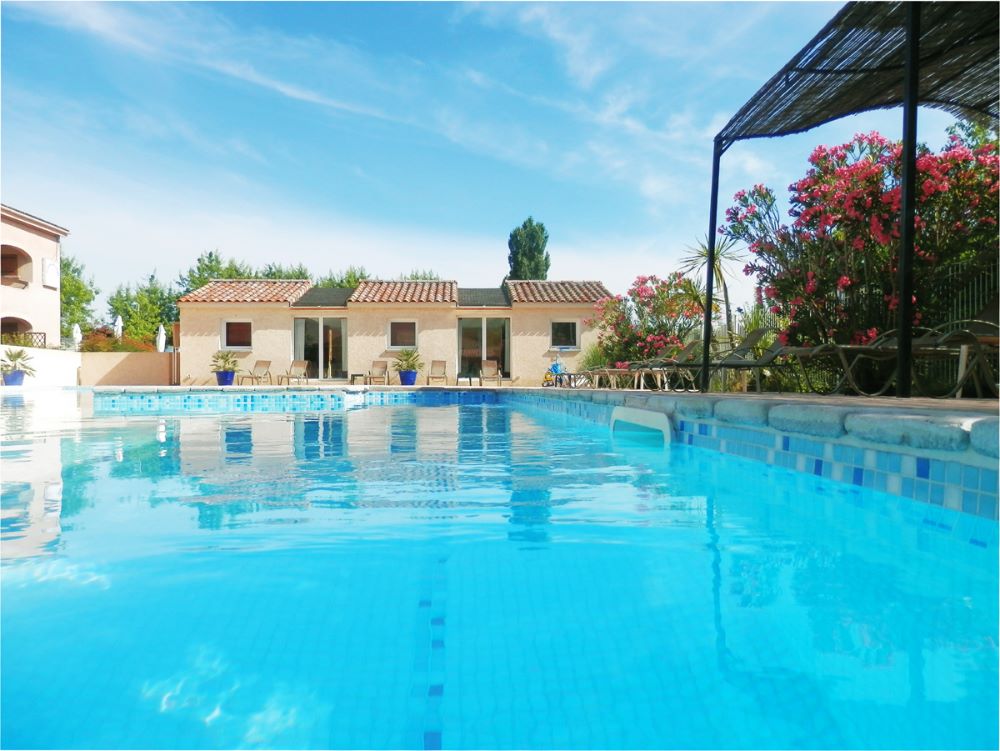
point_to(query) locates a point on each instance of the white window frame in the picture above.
(50, 273)
(388, 334)
(225, 341)
(565, 347)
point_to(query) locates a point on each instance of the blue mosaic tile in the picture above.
(923, 468)
(970, 504)
(937, 494)
(818, 467)
(953, 473)
(432, 740)
(970, 478)
(859, 476)
(937, 470)
(702, 429)
(784, 443)
(888, 462)
(436, 689)
(988, 480)
(988, 507)
(907, 489)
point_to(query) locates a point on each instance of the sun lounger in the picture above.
(298, 372)
(379, 373)
(261, 370)
(490, 371)
(746, 361)
(438, 372)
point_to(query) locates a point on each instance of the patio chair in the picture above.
(298, 372)
(660, 368)
(438, 372)
(261, 370)
(955, 355)
(756, 364)
(379, 373)
(489, 370)
(866, 369)
(683, 368)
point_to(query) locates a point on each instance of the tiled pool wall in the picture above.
(943, 459)
(155, 401)
(947, 460)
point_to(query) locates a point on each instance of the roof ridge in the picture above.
(258, 280)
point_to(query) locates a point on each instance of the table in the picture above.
(355, 377)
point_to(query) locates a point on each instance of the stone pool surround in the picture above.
(944, 452)
(933, 454)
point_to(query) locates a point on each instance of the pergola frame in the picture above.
(873, 55)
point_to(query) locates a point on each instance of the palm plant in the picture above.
(17, 359)
(408, 359)
(224, 361)
(725, 253)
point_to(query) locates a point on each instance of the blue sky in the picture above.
(396, 136)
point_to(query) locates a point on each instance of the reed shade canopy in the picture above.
(875, 55)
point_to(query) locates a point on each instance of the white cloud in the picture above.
(584, 61)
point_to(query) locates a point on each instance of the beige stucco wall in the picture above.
(531, 339)
(125, 368)
(38, 303)
(368, 336)
(201, 337)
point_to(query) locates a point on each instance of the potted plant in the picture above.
(16, 364)
(407, 364)
(224, 365)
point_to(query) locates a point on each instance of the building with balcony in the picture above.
(29, 271)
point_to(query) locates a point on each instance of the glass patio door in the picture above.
(322, 342)
(483, 339)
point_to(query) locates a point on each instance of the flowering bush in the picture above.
(102, 339)
(833, 271)
(650, 320)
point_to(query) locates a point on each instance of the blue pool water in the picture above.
(472, 576)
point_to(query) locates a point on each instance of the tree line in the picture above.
(147, 304)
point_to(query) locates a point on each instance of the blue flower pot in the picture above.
(13, 378)
(225, 377)
(407, 377)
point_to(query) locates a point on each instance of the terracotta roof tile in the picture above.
(556, 292)
(249, 290)
(405, 292)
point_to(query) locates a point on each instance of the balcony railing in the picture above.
(24, 339)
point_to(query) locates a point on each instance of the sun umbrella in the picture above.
(77, 336)
(161, 339)
(118, 326)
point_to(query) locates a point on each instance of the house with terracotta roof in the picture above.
(29, 303)
(340, 332)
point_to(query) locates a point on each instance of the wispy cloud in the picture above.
(191, 36)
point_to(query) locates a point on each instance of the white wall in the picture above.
(53, 367)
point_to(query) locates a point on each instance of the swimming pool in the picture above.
(473, 575)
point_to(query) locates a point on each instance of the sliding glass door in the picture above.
(322, 342)
(483, 339)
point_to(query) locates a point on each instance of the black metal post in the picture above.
(911, 95)
(713, 212)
